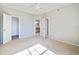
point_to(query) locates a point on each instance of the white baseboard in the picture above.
(25, 37)
(64, 41)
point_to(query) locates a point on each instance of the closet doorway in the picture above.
(15, 28)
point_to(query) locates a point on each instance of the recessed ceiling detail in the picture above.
(34, 8)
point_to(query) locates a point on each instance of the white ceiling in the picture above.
(31, 8)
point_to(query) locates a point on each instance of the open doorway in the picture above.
(37, 27)
(15, 28)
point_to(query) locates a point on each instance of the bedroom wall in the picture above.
(64, 24)
(25, 21)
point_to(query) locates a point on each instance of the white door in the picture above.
(6, 28)
(43, 27)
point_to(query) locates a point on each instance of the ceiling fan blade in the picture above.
(33, 5)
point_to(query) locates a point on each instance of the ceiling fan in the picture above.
(36, 5)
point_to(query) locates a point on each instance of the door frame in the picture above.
(47, 27)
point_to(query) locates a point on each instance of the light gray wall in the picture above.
(26, 25)
(64, 24)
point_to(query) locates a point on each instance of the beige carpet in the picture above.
(17, 45)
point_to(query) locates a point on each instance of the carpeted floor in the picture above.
(17, 45)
